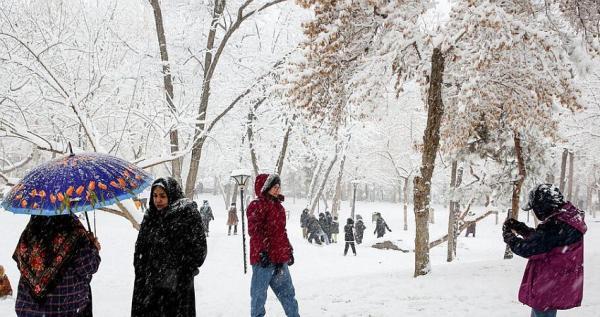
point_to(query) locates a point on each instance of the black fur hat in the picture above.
(544, 200)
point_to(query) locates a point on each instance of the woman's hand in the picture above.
(95, 241)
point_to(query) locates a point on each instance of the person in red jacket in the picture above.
(553, 278)
(270, 250)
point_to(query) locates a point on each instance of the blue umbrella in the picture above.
(76, 183)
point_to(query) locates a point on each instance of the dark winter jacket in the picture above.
(324, 223)
(313, 225)
(304, 219)
(170, 248)
(56, 268)
(359, 229)
(349, 232)
(329, 219)
(266, 225)
(553, 278)
(380, 227)
(335, 227)
(206, 213)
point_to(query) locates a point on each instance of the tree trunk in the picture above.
(323, 182)
(284, 146)
(422, 183)
(337, 197)
(313, 183)
(198, 139)
(452, 214)
(250, 133)
(431, 215)
(459, 176)
(517, 186)
(405, 202)
(588, 199)
(168, 85)
(563, 170)
(570, 181)
(594, 214)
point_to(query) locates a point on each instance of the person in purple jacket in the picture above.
(56, 257)
(553, 278)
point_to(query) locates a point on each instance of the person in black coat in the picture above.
(325, 227)
(304, 223)
(360, 229)
(349, 236)
(335, 229)
(170, 248)
(329, 221)
(314, 230)
(380, 227)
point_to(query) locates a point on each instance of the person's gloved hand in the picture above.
(521, 228)
(510, 224)
(291, 261)
(507, 236)
(264, 259)
(507, 227)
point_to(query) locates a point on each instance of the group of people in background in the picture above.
(57, 257)
(326, 228)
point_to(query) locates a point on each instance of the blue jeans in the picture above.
(548, 313)
(280, 281)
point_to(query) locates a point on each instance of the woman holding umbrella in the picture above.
(170, 248)
(56, 257)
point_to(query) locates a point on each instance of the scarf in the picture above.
(46, 246)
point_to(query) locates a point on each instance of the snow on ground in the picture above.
(374, 283)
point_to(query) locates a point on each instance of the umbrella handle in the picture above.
(87, 219)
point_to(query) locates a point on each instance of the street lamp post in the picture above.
(241, 177)
(354, 184)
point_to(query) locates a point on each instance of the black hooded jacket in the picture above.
(170, 248)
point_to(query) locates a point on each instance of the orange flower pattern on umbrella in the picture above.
(56, 186)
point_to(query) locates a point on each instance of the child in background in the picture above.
(335, 229)
(349, 236)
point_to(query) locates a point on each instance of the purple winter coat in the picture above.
(554, 280)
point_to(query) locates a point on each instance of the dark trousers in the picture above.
(313, 236)
(359, 237)
(349, 244)
(234, 230)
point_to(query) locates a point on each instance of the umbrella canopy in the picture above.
(76, 183)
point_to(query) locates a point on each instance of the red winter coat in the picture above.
(266, 226)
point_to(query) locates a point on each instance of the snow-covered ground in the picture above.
(374, 283)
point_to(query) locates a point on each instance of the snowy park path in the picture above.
(374, 283)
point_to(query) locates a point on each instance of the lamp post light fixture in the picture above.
(241, 177)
